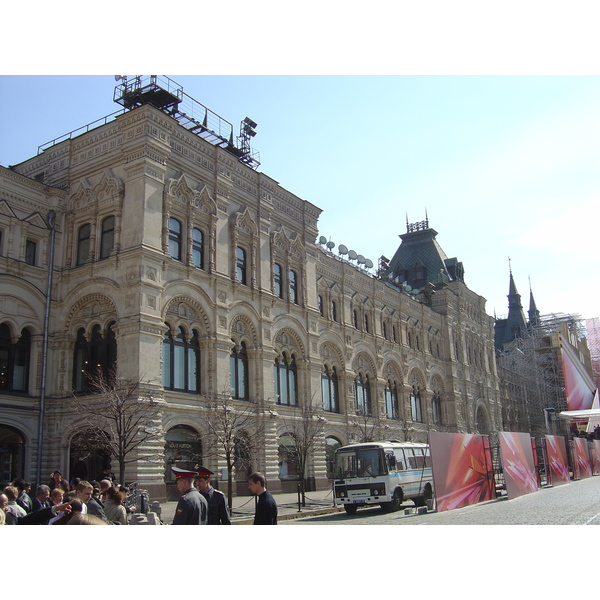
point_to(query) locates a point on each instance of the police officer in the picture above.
(217, 508)
(192, 508)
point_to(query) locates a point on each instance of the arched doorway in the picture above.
(482, 420)
(331, 445)
(89, 454)
(182, 450)
(12, 454)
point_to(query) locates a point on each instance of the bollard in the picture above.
(299, 499)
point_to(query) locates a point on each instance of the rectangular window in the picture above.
(30, 250)
(293, 287)
(198, 248)
(107, 237)
(277, 280)
(240, 265)
(175, 239)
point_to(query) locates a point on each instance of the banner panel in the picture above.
(462, 472)
(518, 464)
(596, 457)
(582, 457)
(557, 463)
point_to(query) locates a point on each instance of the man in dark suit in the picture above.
(266, 507)
(192, 508)
(42, 494)
(217, 507)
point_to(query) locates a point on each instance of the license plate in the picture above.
(358, 501)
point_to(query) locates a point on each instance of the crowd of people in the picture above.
(78, 502)
(82, 502)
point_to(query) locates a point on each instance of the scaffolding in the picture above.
(531, 376)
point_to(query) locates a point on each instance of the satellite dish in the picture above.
(416, 291)
(330, 245)
(342, 249)
(408, 288)
(322, 240)
(361, 259)
(369, 263)
(119, 77)
(352, 255)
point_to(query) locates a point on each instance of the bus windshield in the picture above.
(361, 462)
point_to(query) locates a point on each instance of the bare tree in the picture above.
(365, 428)
(121, 417)
(237, 431)
(305, 431)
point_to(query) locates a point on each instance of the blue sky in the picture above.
(504, 166)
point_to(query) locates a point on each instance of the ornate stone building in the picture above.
(201, 278)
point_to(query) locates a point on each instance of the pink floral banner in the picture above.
(463, 473)
(582, 458)
(520, 473)
(557, 464)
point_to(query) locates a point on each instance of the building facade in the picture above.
(201, 278)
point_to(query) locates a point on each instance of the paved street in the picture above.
(574, 503)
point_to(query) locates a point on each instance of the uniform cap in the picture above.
(203, 472)
(183, 473)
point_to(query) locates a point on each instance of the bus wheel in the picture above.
(350, 508)
(395, 504)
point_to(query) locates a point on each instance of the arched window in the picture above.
(183, 450)
(181, 361)
(107, 237)
(415, 404)
(83, 244)
(362, 395)
(175, 239)
(293, 287)
(391, 400)
(94, 356)
(285, 380)
(238, 367)
(240, 265)
(14, 361)
(198, 248)
(436, 408)
(278, 280)
(329, 390)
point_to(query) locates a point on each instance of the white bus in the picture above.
(386, 473)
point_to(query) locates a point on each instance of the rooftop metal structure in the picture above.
(168, 96)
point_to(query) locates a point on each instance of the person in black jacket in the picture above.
(266, 507)
(217, 507)
(192, 508)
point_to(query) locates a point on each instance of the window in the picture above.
(391, 400)
(367, 323)
(415, 405)
(14, 361)
(362, 395)
(436, 408)
(293, 287)
(384, 330)
(320, 303)
(93, 356)
(175, 239)
(333, 312)
(329, 389)
(30, 250)
(181, 361)
(238, 367)
(284, 376)
(355, 319)
(198, 248)
(83, 244)
(107, 237)
(278, 280)
(240, 265)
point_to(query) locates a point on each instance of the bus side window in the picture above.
(427, 458)
(410, 458)
(399, 459)
(391, 461)
(419, 458)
